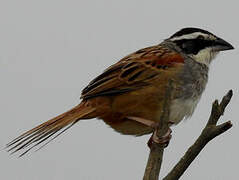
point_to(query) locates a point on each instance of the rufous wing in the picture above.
(133, 72)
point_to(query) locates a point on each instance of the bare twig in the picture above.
(209, 132)
(156, 150)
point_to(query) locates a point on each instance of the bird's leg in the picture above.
(154, 138)
(146, 122)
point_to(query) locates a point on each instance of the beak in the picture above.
(222, 45)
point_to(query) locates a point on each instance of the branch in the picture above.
(209, 132)
(156, 150)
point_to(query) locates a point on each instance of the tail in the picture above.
(43, 132)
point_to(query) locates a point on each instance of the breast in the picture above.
(190, 84)
(182, 108)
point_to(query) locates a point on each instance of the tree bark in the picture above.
(156, 150)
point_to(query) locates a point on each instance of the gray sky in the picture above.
(51, 49)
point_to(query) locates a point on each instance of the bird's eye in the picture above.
(188, 46)
(200, 37)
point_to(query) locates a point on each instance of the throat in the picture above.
(205, 56)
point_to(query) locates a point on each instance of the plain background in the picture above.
(51, 49)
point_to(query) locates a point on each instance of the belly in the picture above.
(182, 108)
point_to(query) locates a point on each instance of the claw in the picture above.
(165, 139)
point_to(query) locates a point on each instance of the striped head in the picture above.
(199, 44)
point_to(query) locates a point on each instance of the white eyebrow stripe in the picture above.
(190, 36)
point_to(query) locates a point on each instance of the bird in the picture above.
(129, 95)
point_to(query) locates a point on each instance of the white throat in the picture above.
(205, 56)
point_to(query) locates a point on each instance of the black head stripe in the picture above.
(189, 30)
(193, 46)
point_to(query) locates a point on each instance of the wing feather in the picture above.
(133, 72)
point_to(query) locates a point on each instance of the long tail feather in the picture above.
(43, 132)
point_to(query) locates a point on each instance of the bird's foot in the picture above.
(154, 138)
(164, 140)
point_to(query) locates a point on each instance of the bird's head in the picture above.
(200, 45)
